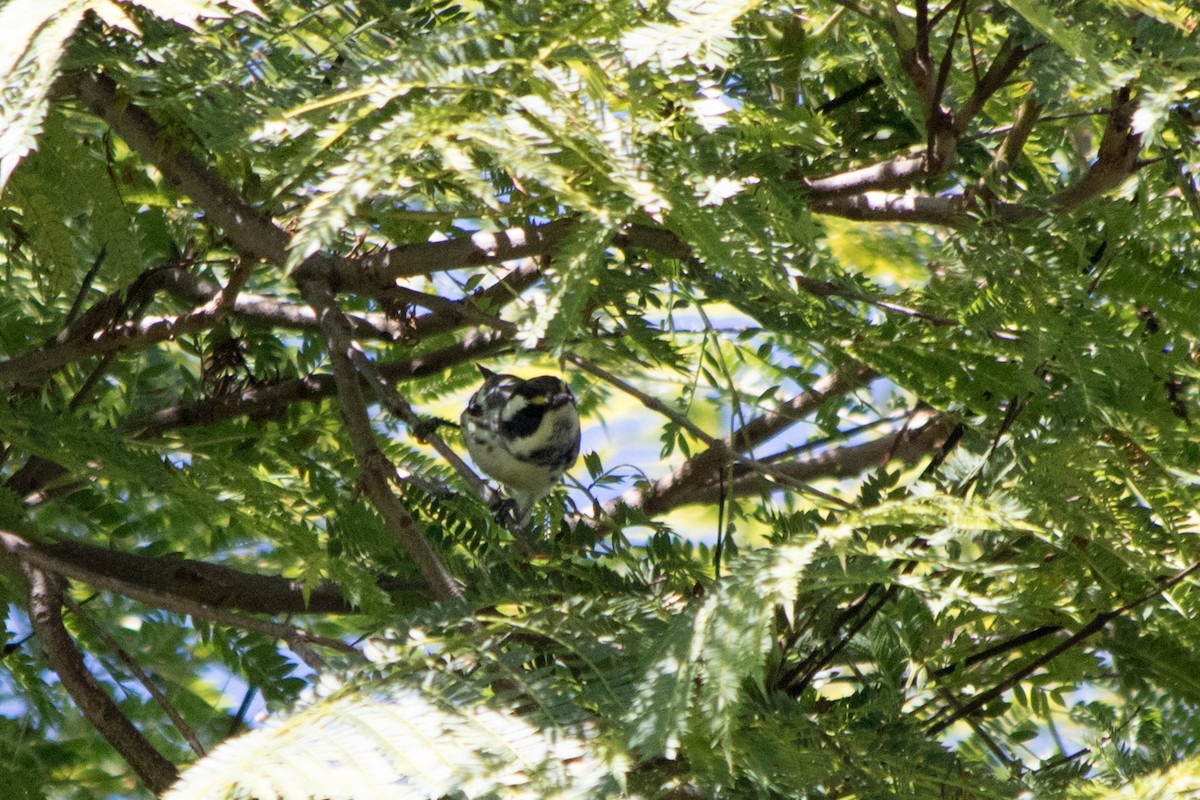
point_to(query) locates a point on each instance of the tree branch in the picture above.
(1014, 141)
(255, 235)
(1116, 158)
(143, 677)
(253, 232)
(45, 614)
(945, 128)
(277, 313)
(257, 402)
(983, 698)
(669, 492)
(381, 269)
(768, 471)
(149, 579)
(112, 337)
(1006, 62)
(298, 640)
(447, 315)
(897, 173)
(376, 469)
(948, 210)
(1094, 625)
(907, 446)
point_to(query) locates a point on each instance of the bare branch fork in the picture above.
(864, 193)
(945, 129)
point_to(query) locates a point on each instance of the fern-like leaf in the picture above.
(407, 744)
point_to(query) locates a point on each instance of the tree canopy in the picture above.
(884, 324)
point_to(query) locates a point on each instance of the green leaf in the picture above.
(1180, 780)
(696, 681)
(572, 278)
(1070, 39)
(189, 12)
(1172, 13)
(35, 34)
(403, 743)
(700, 36)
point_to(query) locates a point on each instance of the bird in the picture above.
(524, 434)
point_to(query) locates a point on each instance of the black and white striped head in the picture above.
(523, 433)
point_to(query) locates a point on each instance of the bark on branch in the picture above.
(73, 345)
(946, 127)
(45, 613)
(149, 579)
(30, 557)
(376, 469)
(673, 490)
(253, 232)
(1116, 158)
(263, 402)
(904, 446)
(256, 236)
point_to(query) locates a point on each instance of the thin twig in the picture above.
(1094, 625)
(947, 57)
(857, 8)
(131, 664)
(988, 653)
(804, 672)
(84, 286)
(850, 95)
(1007, 60)
(239, 718)
(400, 408)
(971, 48)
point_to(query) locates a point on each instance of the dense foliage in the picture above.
(883, 320)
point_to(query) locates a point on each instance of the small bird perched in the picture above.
(523, 433)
